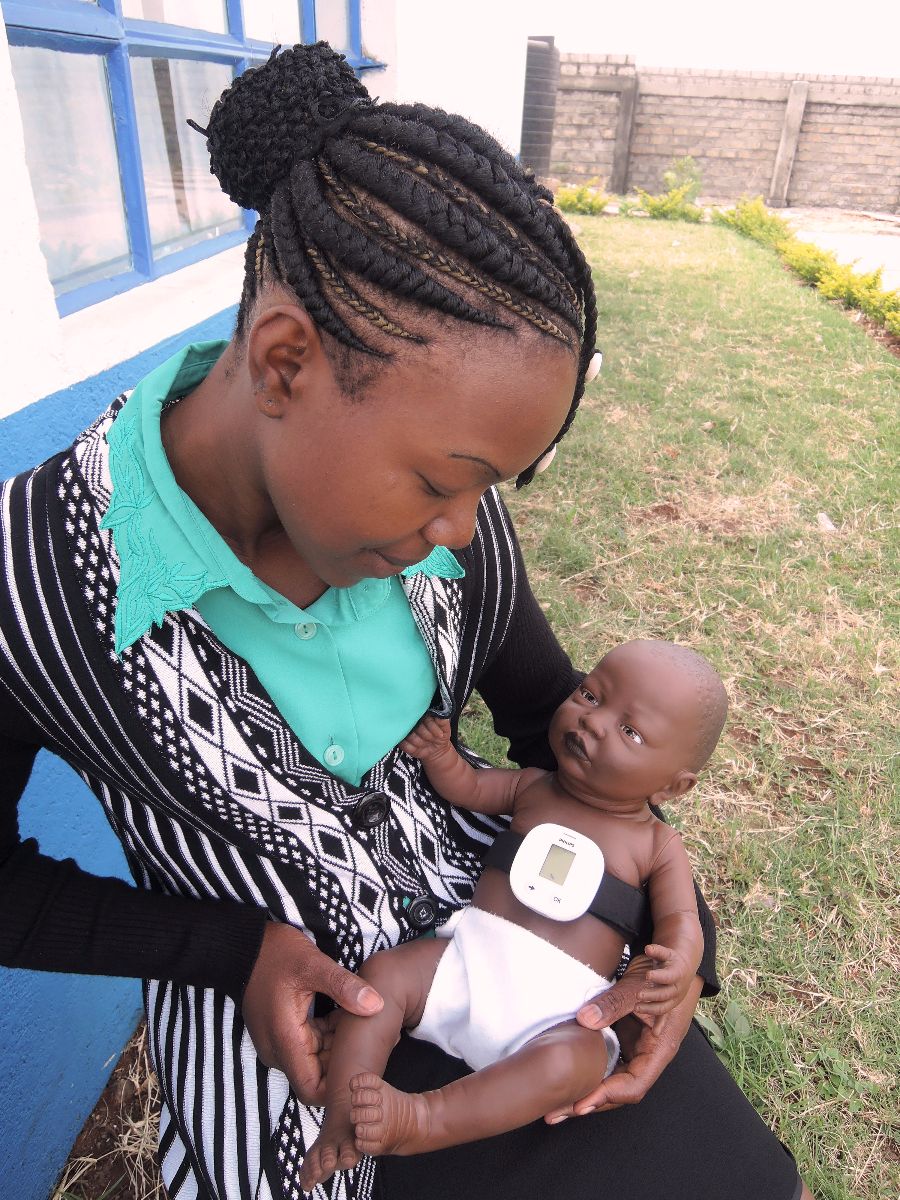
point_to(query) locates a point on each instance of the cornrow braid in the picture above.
(415, 198)
(475, 237)
(440, 262)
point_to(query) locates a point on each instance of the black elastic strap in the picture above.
(616, 902)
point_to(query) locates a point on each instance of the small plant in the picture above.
(628, 205)
(588, 199)
(754, 220)
(671, 206)
(684, 172)
(819, 268)
(809, 261)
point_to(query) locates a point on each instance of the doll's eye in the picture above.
(589, 696)
(632, 733)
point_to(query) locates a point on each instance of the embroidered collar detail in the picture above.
(169, 554)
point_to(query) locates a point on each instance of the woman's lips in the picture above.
(576, 746)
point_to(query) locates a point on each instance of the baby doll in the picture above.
(501, 983)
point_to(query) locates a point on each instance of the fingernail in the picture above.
(369, 998)
(584, 1112)
(558, 1120)
(591, 1012)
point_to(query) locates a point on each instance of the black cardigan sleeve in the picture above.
(524, 684)
(58, 917)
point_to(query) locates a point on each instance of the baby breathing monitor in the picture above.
(556, 872)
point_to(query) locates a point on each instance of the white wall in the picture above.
(465, 56)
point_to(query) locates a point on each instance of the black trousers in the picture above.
(694, 1136)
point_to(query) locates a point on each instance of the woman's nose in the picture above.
(455, 524)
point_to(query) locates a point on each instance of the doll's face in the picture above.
(627, 733)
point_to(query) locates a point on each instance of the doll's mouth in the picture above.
(576, 746)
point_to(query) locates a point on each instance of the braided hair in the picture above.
(366, 208)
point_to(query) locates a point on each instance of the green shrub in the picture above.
(628, 205)
(671, 206)
(810, 262)
(754, 220)
(684, 172)
(589, 199)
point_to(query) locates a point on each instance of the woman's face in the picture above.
(364, 488)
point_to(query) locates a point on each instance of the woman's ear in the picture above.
(282, 346)
(680, 783)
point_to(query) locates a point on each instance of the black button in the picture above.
(371, 810)
(421, 912)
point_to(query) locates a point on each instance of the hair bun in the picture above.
(275, 114)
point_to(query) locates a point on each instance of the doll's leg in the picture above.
(559, 1066)
(403, 977)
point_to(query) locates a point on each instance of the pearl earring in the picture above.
(545, 460)
(593, 367)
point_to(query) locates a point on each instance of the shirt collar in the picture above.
(169, 553)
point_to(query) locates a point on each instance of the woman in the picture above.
(231, 598)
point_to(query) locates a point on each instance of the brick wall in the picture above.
(841, 148)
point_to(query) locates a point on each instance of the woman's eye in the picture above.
(632, 733)
(432, 490)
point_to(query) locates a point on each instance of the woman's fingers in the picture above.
(288, 973)
(612, 1005)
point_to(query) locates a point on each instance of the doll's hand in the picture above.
(429, 740)
(646, 1050)
(289, 971)
(666, 983)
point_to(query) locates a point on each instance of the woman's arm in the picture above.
(58, 917)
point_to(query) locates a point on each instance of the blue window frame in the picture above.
(98, 28)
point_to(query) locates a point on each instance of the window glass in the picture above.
(273, 21)
(331, 23)
(195, 14)
(184, 201)
(70, 148)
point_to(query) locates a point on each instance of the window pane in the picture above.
(273, 21)
(331, 23)
(71, 152)
(184, 202)
(195, 14)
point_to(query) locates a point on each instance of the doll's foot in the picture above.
(388, 1121)
(333, 1150)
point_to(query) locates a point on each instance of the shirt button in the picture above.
(334, 756)
(305, 630)
(421, 912)
(371, 810)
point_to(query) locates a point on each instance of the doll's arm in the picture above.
(490, 790)
(677, 946)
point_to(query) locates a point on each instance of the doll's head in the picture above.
(640, 726)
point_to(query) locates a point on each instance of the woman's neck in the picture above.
(209, 439)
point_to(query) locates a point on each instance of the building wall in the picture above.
(847, 154)
(467, 57)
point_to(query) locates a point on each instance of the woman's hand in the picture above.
(277, 1002)
(646, 1050)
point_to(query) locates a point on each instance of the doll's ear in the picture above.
(681, 783)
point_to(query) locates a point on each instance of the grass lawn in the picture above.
(729, 483)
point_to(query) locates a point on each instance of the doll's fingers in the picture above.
(661, 977)
(659, 953)
(653, 997)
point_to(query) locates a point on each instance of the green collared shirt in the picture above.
(350, 674)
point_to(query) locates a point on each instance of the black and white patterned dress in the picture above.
(213, 797)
